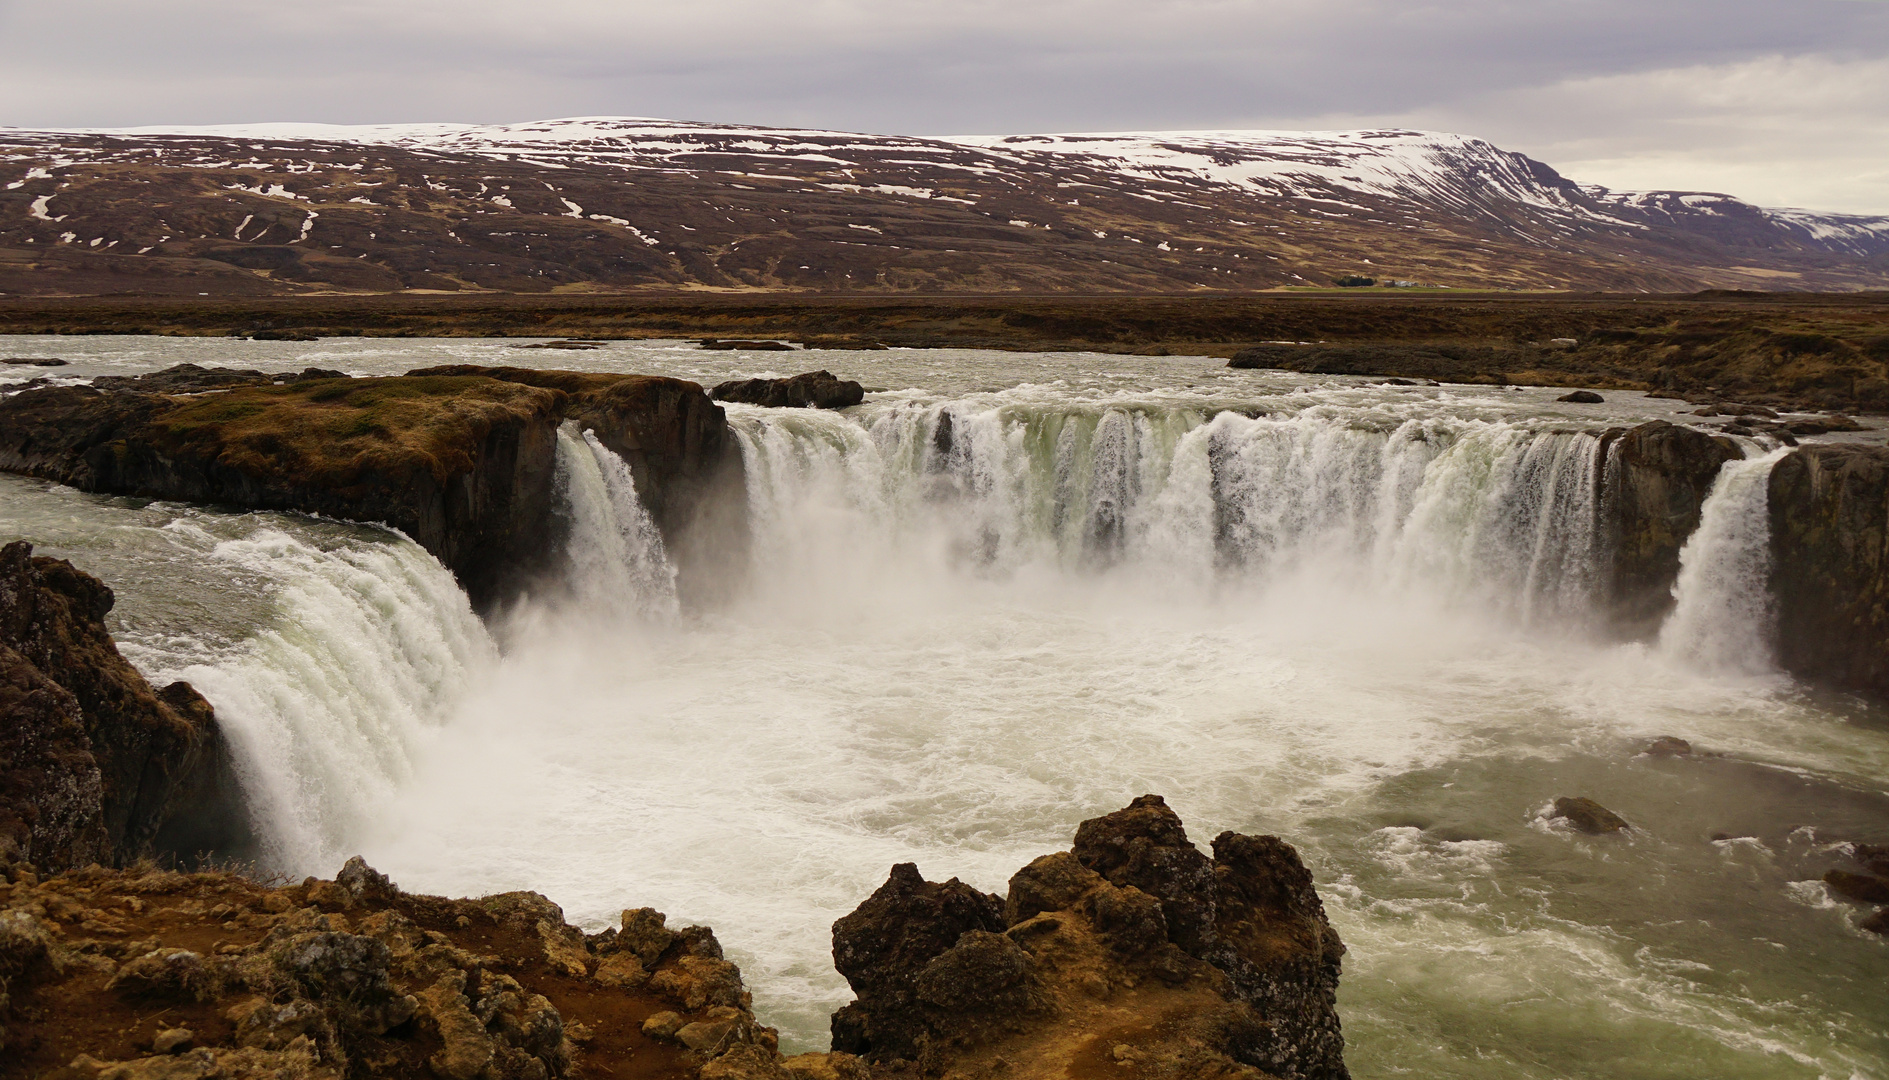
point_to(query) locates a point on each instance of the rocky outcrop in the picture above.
(1829, 508)
(1132, 955)
(679, 448)
(463, 460)
(808, 390)
(115, 975)
(1653, 489)
(95, 765)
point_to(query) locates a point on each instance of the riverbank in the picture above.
(1826, 351)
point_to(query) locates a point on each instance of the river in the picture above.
(1359, 616)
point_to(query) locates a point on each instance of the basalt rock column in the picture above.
(1654, 487)
(1829, 508)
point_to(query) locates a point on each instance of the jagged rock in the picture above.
(1829, 510)
(1588, 816)
(883, 946)
(364, 883)
(644, 936)
(1146, 846)
(808, 390)
(746, 1063)
(1087, 946)
(1653, 489)
(1863, 888)
(1582, 397)
(1050, 883)
(351, 969)
(299, 1061)
(172, 1040)
(1877, 923)
(829, 1066)
(98, 764)
(170, 976)
(663, 1025)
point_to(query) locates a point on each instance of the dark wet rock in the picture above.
(1863, 888)
(1088, 947)
(1050, 883)
(319, 373)
(97, 765)
(1582, 397)
(1829, 508)
(883, 946)
(808, 390)
(731, 345)
(1653, 487)
(1588, 816)
(1145, 845)
(1877, 923)
(34, 361)
(849, 344)
(1669, 746)
(1728, 408)
(572, 346)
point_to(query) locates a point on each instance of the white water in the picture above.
(1722, 616)
(1359, 621)
(373, 646)
(618, 568)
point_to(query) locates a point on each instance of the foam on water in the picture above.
(1722, 617)
(1356, 619)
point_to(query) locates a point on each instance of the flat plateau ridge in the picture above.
(606, 204)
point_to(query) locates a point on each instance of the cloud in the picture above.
(1742, 91)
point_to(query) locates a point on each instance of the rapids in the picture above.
(1010, 592)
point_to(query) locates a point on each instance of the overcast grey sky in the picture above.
(1784, 102)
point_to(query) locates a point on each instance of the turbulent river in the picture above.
(1010, 592)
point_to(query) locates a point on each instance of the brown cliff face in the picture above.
(463, 460)
(1653, 489)
(97, 766)
(1135, 955)
(677, 444)
(1829, 508)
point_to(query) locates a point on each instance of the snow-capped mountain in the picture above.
(641, 203)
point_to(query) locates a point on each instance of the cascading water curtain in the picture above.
(1501, 514)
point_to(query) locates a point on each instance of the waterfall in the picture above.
(1722, 617)
(371, 644)
(618, 565)
(1501, 513)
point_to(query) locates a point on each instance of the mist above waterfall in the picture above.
(1014, 592)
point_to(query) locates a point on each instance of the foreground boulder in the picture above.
(95, 764)
(1132, 955)
(1829, 508)
(461, 459)
(809, 390)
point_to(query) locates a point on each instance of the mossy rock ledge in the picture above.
(462, 458)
